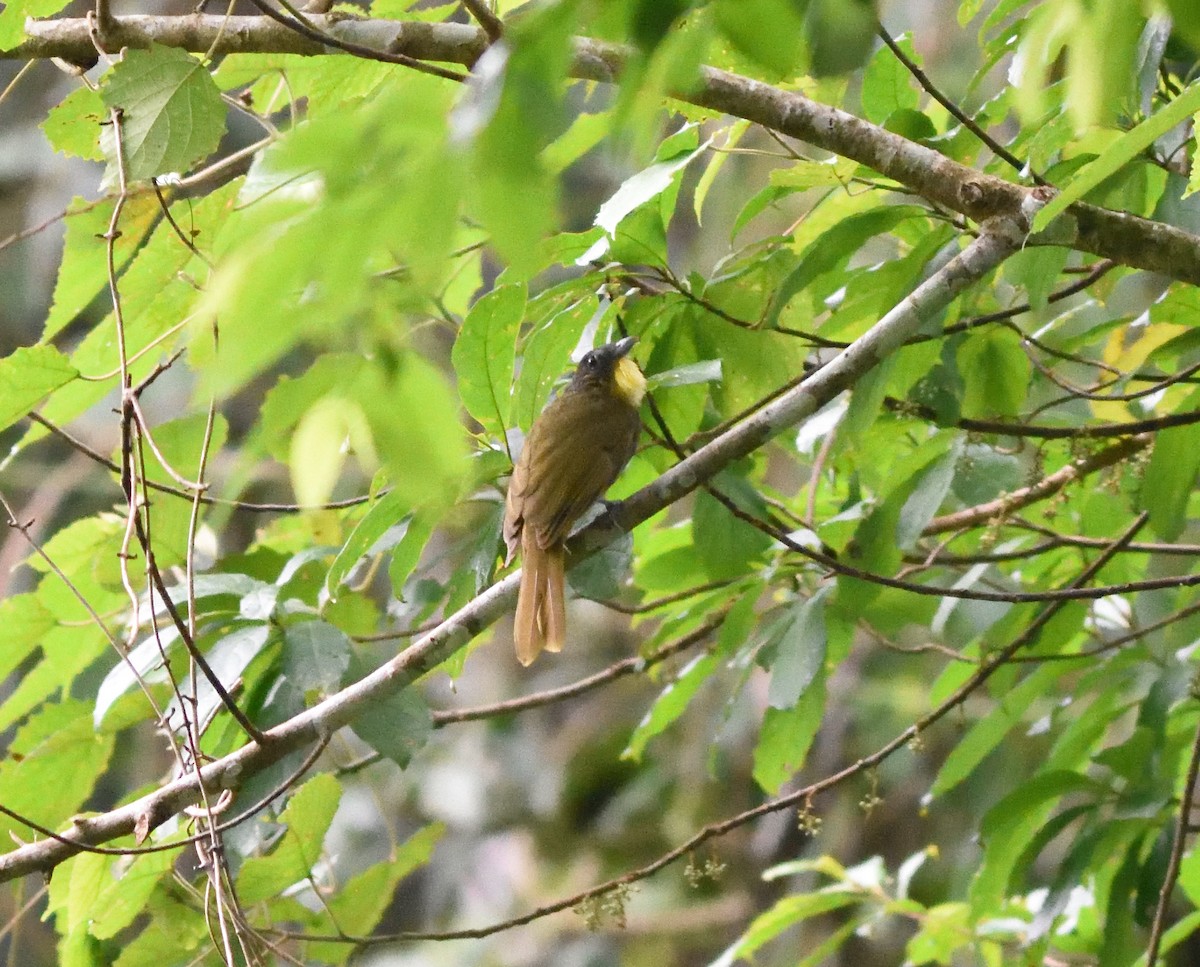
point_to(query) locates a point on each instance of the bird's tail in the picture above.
(541, 620)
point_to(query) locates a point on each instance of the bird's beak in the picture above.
(621, 348)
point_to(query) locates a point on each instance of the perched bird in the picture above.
(575, 449)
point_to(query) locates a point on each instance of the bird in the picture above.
(575, 450)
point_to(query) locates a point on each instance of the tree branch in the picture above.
(1124, 238)
(979, 258)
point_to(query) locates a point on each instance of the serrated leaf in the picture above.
(360, 903)
(484, 354)
(173, 934)
(52, 766)
(307, 817)
(172, 114)
(27, 377)
(72, 126)
(125, 891)
(23, 620)
(14, 14)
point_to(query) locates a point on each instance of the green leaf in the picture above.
(386, 523)
(227, 659)
(547, 353)
(989, 731)
(726, 545)
(840, 34)
(387, 394)
(307, 817)
(66, 651)
(1011, 823)
(290, 398)
(786, 736)
(784, 915)
(1037, 270)
(180, 442)
(926, 497)
(634, 192)
(73, 125)
(172, 114)
(407, 553)
(1118, 155)
(484, 354)
(800, 651)
(396, 727)
(996, 371)
(705, 371)
(27, 377)
(834, 248)
(424, 456)
(1186, 18)
(24, 620)
(329, 429)
(52, 767)
(943, 930)
(512, 111)
(125, 891)
(887, 85)
(769, 32)
(315, 654)
(1171, 475)
(173, 935)
(359, 904)
(14, 14)
(671, 703)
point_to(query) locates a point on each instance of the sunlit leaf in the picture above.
(171, 113)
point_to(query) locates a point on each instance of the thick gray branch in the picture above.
(999, 240)
(1126, 239)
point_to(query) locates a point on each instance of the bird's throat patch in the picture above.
(628, 382)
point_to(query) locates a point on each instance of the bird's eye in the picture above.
(590, 361)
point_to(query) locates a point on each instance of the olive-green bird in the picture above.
(574, 451)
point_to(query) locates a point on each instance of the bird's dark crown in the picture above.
(597, 367)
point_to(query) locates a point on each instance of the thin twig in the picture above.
(491, 24)
(204, 499)
(1172, 874)
(1021, 167)
(800, 796)
(304, 27)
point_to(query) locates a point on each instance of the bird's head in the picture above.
(610, 367)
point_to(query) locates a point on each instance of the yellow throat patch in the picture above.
(628, 382)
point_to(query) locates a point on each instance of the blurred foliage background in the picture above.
(347, 286)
